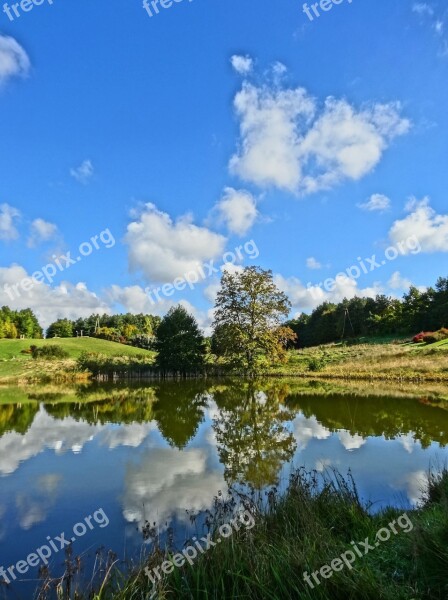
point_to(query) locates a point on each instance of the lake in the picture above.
(102, 464)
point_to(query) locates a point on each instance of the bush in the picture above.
(431, 338)
(316, 364)
(49, 352)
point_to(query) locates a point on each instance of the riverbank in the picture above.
(317, 541)
(388, 362)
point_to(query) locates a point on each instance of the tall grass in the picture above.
(313, 523)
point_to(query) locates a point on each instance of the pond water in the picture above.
(125, 455)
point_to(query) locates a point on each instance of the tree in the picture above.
(250, 310)
(62, 328)
(179, 343)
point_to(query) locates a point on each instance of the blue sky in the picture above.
(210, 124)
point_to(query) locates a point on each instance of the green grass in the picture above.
(74, 346)
(17, 367)
(397, 361)
(303, 530)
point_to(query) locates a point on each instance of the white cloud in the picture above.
(288, 142)
(376, 202)
(41, 231)
(167, 482)
(312, 263)
(163, 250)
(14, 61)
(397, 282)
(430, 228)
(84, 172)
(237, 209)
(134, 300)
(307, 298)
(307, 429)
(351, 442)
(61, 436)
(8, 216)
(66, 300)
(242, 64)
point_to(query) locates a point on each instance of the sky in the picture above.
(160, 149)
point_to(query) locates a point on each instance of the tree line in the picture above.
(135, 330)
(418, 311)
(17, 323)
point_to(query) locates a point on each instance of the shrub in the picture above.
(419, 337)
(431, 338)
(49, 352)
(316, 364)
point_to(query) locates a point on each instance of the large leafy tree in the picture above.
(62, 328)
(249, 313)
(180, 343)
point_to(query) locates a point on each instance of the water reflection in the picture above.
(160, 451)
(253, 440)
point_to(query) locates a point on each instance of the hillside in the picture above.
(377, 361)
(15, 366)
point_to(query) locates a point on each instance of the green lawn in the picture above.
(74, 346)
(15, 366)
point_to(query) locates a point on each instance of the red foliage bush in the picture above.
(419, 337)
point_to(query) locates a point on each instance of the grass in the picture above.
(21, 368)
(381, 361)
(306, 528)
(378, 359)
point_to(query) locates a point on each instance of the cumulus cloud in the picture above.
(376, 202)
(84, 172)
(8, 218)
(168, 482)
(430, 228)
(135, 300)
(397, 282)
(309, 297)
(41, 231)
(307, 429)
(237, 209)
(62, 436)
(66, 300)
(351, 442)
(14, 61)
(242, 64)
(163, 249)
(288, 141)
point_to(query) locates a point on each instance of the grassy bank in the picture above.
(382, 360)
(16, 367)
(369, 361)
(308, 527)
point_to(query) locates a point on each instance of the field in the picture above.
(376, 359)
(17, 367)
(393, 361)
